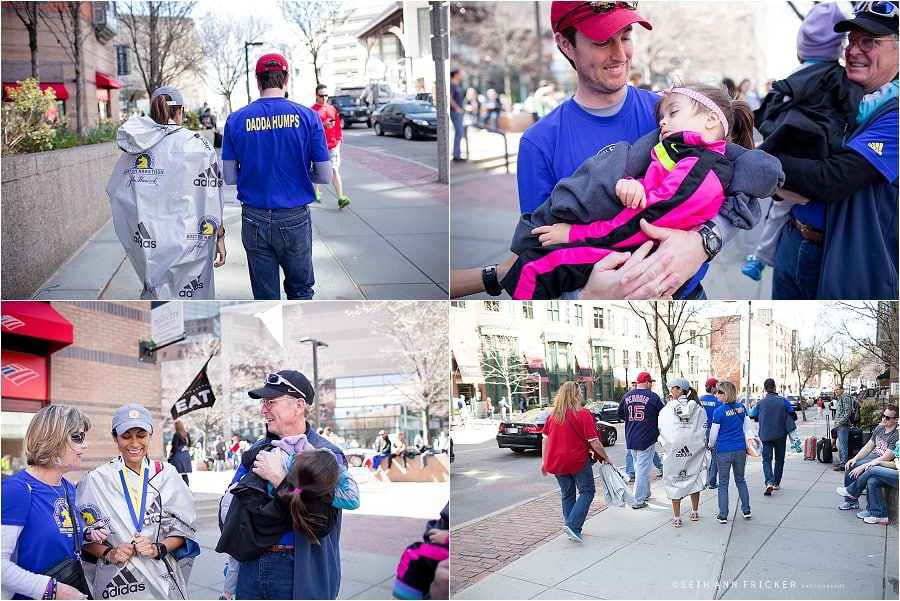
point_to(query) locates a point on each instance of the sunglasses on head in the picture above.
(882, 9)
(598, 8)
(279, 379)
(78, 437)
(720, 392)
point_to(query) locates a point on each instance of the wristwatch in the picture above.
(161, 549)
(712, 241)
(491, 283)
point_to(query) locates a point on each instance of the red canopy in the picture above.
(36, 319)
(61, 92)
(105, 81)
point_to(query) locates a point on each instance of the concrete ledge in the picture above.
(53, 202)
(437, 469)
(890, 499)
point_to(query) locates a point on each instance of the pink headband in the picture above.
(298, 491)
(705, 101)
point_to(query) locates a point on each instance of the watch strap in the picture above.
(489, 278)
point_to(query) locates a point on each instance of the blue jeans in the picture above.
(798, 267)
(735, 460)
(574, 509)
(642, 460)
(843, 433)
(855, 486)
(778, 446)
(278, 238)
(458, 130)
(629, 464)
(270, 576)
(878, 478)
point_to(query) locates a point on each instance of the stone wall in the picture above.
(437, 469)
(53, 202)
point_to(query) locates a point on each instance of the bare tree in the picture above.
(222, 44)
(883, 316)
(503, 363)
(28, 14)
(666, 324)
(316, 20)
(844, 358)
(163, 40)
(420, 330)
(64, 20)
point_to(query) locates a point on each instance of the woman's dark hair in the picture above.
(692, 395)
(737, 112)
(160, 111)
(272, 79)
(313, 475)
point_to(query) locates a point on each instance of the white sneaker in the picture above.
(874, 520)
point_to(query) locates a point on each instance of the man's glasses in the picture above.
(279, 379)
(598, 8)
(267, 403)
(865, 43)
(78, 437)
(883, 416)
(882, 9)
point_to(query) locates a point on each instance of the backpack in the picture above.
(855, 411)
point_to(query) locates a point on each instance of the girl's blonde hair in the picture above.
(50, 429)
(729, 390)
(566, 400)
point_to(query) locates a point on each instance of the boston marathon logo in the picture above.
(273, 122)
(207, 226)
(142, 170)
(211, 178)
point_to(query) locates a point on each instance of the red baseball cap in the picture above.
(599, 26)
(273, 57)
(644, 377)
(711, 383)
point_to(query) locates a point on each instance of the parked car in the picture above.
(409, 119)
(794, 401)
(524, 433)
(357, 456)
(606, 411)
(352, 110)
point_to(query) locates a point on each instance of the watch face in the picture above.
(713, 242)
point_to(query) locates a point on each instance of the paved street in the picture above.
(391, 242)
(519, 552)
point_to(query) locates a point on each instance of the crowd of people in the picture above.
(128, 530)
(704, 442)
(830, 129)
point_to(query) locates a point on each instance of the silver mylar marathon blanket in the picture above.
(682, 438)
(167, 202)
(168, 511)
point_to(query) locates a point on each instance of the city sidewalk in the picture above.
(391, 517)
(484, 211)
(797, 545)
(390, 243)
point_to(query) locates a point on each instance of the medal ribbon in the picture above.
(131, 496)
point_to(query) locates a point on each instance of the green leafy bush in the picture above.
(104, 132)
(25, 127)
(191, 120)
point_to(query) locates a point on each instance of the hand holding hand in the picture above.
(631, 193)
(558, 233)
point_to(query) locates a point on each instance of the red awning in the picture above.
(61, 92)
(36, 319)
(105, 81)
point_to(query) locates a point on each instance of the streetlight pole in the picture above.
(749, 330)
(315, 347)
(247, 65)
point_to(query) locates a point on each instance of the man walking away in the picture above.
(274, 150)
(640, 408)
(709, 402)
(334, 138)
(772, 410)
(457, 111)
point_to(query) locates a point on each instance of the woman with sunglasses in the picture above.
(40, 525)
(730, 428)
(150, 512)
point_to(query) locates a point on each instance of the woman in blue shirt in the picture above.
(728, 436)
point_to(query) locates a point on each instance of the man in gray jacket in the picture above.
(773, 409)
(842, 424)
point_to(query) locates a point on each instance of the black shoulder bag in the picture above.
(69, 570)
(591, 455)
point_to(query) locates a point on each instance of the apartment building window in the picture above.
(604, 358)
(637, 359)
(458, 304)
(598, 318)
(492, 305)
(553, 311)
(528, 309)
(559, 369)
(624, 326)
(579, 315)
(676, 363)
